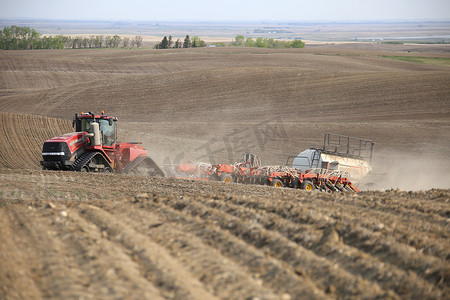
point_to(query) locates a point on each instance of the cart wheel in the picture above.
(226, 178)
(307, 185)
(295, 184)
(277, 183)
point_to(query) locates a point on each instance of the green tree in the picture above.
(58, 42)
(115, 40)
(22, 35)
(169, 42)
(8, 38)
(198, 42)
(97, 43)
(4, 40)
(249, 42)
(137, 41)
(68, 42)
(91, 41)
(195, 42)
(125, 42)
(14, 40)
(271, 43)
(164, 43)
(260, 43)
(298, 44)
(35, 39)
(239, 41)
(85, 42)
(99, 40)
(108, 41)
(76, 42)
(178, 44)
(79, 42)
(187, 42)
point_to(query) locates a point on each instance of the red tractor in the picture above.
(93, 148)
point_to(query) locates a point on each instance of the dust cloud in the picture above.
(408, 172)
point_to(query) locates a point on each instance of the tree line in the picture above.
(241, 41)
(16, 37)
(167, 43)
(23, 38)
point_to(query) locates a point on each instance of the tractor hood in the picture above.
(73, 141)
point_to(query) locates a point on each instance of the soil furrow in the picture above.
(219, 274)
(117, 276)
(382, 246)
(174, 281)
(52, 266)
(354, 204)
(16, 275)
(326, 243)
(430, 239)
(277, 246)
(279, 276)
(395, 209)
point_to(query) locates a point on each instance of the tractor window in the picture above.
(83, 125)
(109, 132)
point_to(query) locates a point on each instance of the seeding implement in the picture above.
(333, 168)
(94, 148)
(249, 172)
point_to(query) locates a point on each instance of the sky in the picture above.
(227, 10)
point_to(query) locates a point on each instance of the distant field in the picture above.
(422, 60)
(326, 32)
(444, 61)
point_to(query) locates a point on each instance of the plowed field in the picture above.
(66, 235)
(134, 237)
(21, 138)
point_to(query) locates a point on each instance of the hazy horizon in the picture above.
(286, 11)
(206, 21)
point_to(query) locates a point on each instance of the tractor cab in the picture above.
(107, 125)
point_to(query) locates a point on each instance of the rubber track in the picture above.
(127, 169)
(85, 158)
(82, 160)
